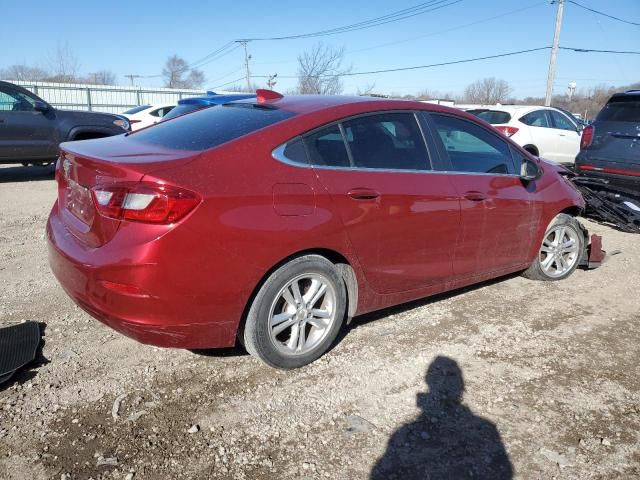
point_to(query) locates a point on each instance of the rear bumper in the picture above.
(613, 173)
(154, 313)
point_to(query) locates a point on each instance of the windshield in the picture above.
(133, 110)
(210, 127)
(494, 117)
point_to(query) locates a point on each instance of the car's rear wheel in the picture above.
(297, 313)
(560, 252)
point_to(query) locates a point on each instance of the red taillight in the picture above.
(587, 137)
(134, 121)
(144, 202)
(508, 131)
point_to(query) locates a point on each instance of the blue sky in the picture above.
(136, 37)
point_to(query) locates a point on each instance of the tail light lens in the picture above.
(144, 202)
(508, 131)
(587, 137)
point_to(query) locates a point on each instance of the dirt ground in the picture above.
(533, 380)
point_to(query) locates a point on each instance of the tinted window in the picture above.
(537, 118)
(561, 122)
(471, 148)
(494, 117)
(387, 141)
(621, 109)
(183, 108)
(133, 110)
(326, 148)
(210, 127)
(296, 152)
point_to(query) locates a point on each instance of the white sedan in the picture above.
(145, 115)
(544, 131)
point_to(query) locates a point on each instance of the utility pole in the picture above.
(246, 62)
(554, 54)
(132, 77)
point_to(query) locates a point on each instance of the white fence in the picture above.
(103, 98)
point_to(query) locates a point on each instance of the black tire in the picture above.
(256, 335)
(536, 270)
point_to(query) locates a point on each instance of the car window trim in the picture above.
(442, 149)
(278, 152)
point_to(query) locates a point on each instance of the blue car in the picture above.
(192, 104)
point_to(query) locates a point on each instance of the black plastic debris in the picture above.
(612, 205)
(18, 346)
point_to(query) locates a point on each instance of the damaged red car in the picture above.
(274, 220)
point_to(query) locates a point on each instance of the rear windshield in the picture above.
(621, 109)
(133, 110)
(183, 108)
(494, 117)
(210, 127)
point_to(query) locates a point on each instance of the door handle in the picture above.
(475, 196)
(363, 194)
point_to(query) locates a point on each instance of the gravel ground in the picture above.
(512, 378)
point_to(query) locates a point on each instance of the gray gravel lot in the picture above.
(530, 379)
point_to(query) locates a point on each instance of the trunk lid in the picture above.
(617, 142)
(85, 164)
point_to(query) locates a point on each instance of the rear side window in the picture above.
(471, 148)
(210, 127)
(326, 148)
(537, 118)
(621, 109)
(386, 141)
(494, 117)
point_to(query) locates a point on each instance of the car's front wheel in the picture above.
(560, 252)
(297, 313)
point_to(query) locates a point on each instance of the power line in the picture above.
(416, 67)
(398, 15)
(511, 12)
(211, 54)
(597, 12)
(234, 81)
(591, 50)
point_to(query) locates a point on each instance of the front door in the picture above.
(497, 215)
(567, 137)
(25, 133)
(401, 218)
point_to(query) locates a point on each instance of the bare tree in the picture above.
(320, 69)
(487, 91)
(64, 64)
(367, 90)
(24, 73)
(177, 74)
(102, 77)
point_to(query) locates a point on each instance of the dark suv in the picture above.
(31, 129)
(610, 146)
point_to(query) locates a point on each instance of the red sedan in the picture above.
(273, 220)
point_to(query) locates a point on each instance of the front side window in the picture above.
(386, 141)
(537, 118)
(12, 101)
(471, 148)
(327, 149)
(561, 122)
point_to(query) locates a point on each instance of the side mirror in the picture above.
(40, 106)
(529, 171)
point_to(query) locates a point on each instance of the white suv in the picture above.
(544, 131)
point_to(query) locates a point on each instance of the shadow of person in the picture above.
(447, 441)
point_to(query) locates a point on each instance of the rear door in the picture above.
(497, 215)
(24, 132)
(401, 218)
